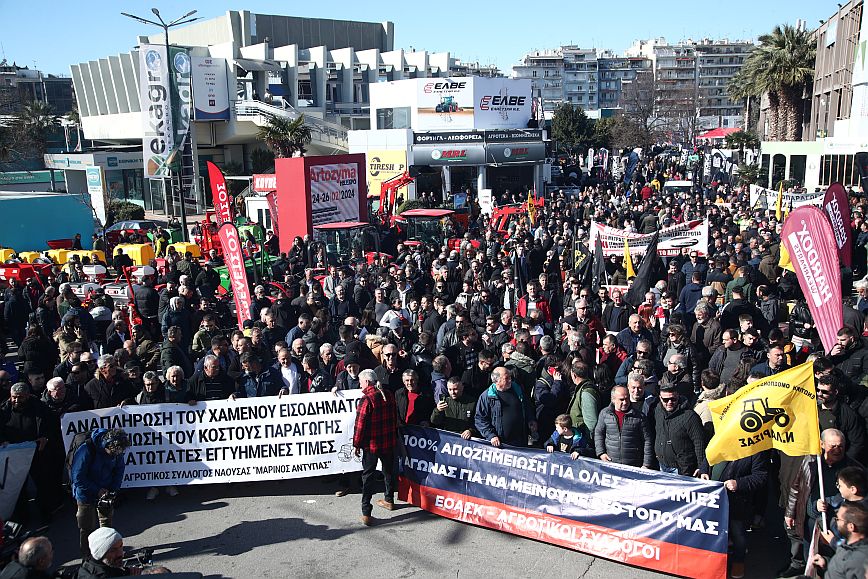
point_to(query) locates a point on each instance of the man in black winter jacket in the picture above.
(679, 440)
(209, 383)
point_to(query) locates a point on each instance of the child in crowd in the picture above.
(565, 438)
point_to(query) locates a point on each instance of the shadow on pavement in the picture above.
(243, 537)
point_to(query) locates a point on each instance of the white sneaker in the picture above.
(172, 491)
(152, 493)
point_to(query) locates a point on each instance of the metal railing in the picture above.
(259, 112)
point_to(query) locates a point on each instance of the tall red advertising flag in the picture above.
(222, 203)
(808, 237)
(837, 207)
(271, 197)
(228, 235)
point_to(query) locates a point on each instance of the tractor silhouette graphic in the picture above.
(346, 454)
(447, 105)
(757, 412)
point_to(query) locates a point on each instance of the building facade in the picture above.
(21, 85)
(690, 80)
(836, 110)
(265, 66)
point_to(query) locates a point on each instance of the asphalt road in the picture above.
(300, 529)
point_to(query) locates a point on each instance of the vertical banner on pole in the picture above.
(158, 136)
(837, 208)
(222, 203)
(271, 197)
(237, 273)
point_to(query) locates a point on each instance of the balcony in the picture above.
(324, 133)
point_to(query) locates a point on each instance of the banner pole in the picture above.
(822, 490)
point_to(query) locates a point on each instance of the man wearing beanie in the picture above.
(107, 550)
(97, 469)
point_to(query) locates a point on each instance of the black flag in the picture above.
(598, 275)
(581, 261)
(642, 282)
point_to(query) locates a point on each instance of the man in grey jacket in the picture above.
(622, 434)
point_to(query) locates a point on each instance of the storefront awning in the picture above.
(251, 65)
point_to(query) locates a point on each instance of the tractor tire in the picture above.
(751, 422)
(782, 419)
(438, 109)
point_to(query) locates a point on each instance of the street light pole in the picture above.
(185, 19)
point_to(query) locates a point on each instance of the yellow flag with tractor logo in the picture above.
(776, 412)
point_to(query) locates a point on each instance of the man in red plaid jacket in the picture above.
(375, 438)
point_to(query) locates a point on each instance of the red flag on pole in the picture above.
(222, 203)
(808, 238)
(237, 273)
(837, 207)
(271, 197)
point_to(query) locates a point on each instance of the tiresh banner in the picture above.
(810, 243)
(690, 234)
(222, 203)
(234, 259)
(837, 208)
(649, 519)
(223, 441)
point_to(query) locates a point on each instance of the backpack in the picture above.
(77, 441)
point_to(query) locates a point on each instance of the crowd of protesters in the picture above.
(501, 338)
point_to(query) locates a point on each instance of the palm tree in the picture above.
(285, 137)
(742, 140)
(34, 124)
(780, 67)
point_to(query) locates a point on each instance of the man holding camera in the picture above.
(96, 473)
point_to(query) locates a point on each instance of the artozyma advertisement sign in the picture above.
(210, 89)
(158, 136)
(382, 166)
(334, 193)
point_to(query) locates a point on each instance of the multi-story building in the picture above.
(836, 110)
(717, 63)
(580, 77)
(21, 85)
(616, 72)
(545, 69)
(690, 79)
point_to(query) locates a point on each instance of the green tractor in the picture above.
(447, 105)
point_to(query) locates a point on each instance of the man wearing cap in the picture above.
(97, 470)
(107, 547)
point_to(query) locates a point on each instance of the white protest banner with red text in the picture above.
(691, 234)
(837, 207)
(222, 203)
(808, 238)
(237, 273)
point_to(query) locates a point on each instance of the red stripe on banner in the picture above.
(584, 537)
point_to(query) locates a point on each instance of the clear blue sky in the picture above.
(58, 33)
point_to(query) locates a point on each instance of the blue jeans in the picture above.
(669, 469)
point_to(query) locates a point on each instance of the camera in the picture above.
(107, 500)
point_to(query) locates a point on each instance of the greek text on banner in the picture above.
(660, 521)
(230, 440)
